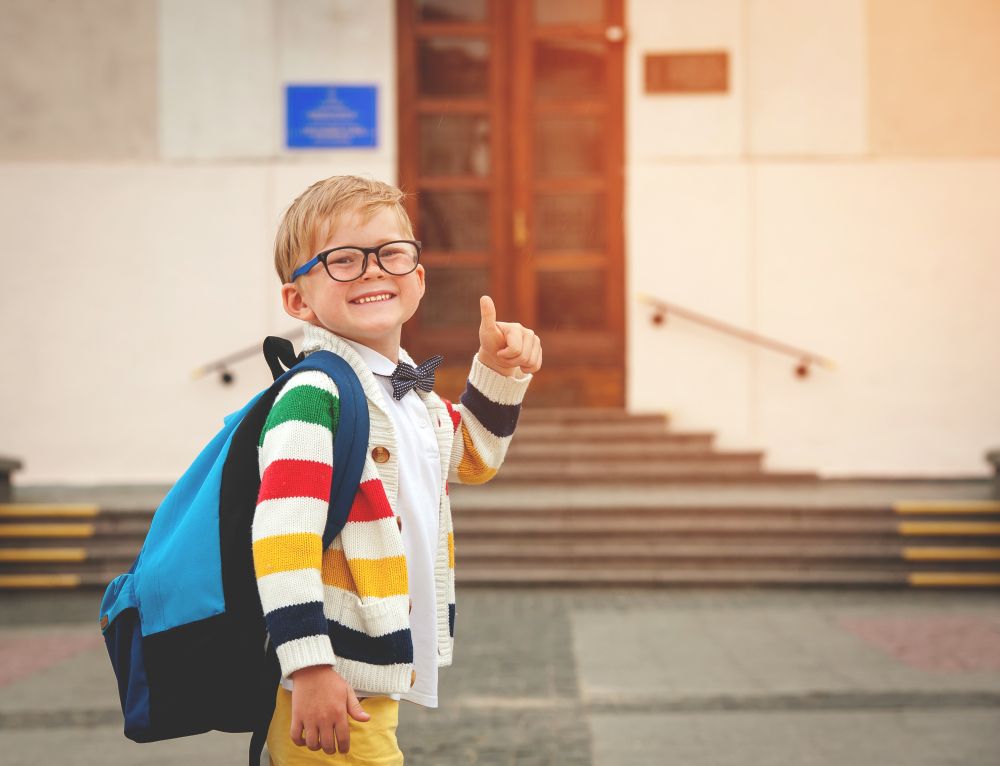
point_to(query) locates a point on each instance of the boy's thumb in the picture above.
(488, 312)
(356, 711)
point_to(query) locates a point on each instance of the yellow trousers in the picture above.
(373, 742)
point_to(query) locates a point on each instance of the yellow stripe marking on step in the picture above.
(954, 578)
(46, 530)
(39, 581)
(951, 554)
(947, 506)
(948, 528)
(62, 510)
(11, 555)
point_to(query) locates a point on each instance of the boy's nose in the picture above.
(372, 265)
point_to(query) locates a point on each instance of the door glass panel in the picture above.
(567, 69)
(571, 300)
(455, 220)
(569, 11)
(454, 145)
(568, 146)
(451, 10)
(452, 297)
(453, 66)
(569, 221)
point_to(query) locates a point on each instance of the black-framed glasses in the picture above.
(345, 264)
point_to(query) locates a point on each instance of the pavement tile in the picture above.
(947, 643)
(879, 738)
(562, 677)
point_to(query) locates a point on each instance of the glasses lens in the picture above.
(398, 257)
(345, 265)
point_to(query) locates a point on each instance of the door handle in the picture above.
(520, 228)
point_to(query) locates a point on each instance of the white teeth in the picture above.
(382, 297)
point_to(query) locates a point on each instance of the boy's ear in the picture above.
(295, 304)
(421, 278)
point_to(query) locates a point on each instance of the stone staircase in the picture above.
(605, 498)
(595, 446)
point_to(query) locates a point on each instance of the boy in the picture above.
(368, 621)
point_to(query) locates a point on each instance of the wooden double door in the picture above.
(511, 145)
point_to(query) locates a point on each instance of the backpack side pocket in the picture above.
(122, 631)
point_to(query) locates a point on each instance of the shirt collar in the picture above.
(319, 337)
(377, 363)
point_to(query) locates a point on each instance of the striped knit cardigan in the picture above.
(348, 606)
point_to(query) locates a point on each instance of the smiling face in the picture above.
(370, 310)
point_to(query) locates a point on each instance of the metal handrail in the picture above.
(805, 358)
(222, 365)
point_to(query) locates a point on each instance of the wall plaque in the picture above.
(706, 72)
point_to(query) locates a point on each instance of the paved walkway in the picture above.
(599, 678)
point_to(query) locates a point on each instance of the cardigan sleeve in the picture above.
(295, 457)
(484, 422)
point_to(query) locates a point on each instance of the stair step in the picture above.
(471, 576)
(598, 414)
(942, 507)
(730, 577)
(939, 528)
(48, 510)
(597, 454)
(562, 575)
(47, 581)
(929, 553)
(666, 524)
(663, 473)
(731, 551)
(559, 468)
(588, 549)
(46, 555)
(102, 526)
(955, 579)
(59, 530)
(609, 432)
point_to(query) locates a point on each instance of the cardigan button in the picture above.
(399, 523)
(380, 454)
(413, 678)
(411, 606)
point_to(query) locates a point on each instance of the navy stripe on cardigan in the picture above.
(390, 649)
(499, 419)
(296, 621)
(300, 621)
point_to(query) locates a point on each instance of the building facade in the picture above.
(823, 174)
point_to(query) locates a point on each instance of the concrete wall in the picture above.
(842, 197)
(139, 196)
(830, 200)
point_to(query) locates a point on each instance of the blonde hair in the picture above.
(320, 208)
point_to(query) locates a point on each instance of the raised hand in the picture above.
(506, 346)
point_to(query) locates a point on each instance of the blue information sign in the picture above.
(325, 116)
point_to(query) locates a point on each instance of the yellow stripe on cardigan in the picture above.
(451, 550)
(285, 553)
(366, 577)
(472, 469)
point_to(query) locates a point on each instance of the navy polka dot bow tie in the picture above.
(406, 376)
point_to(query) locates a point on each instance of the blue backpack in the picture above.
(184, 626)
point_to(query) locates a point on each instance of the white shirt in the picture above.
(420, 484)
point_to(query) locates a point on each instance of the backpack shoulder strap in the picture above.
(350, 444)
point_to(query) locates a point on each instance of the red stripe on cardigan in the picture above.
(295, 478)
(456, 417)
(371, 503)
